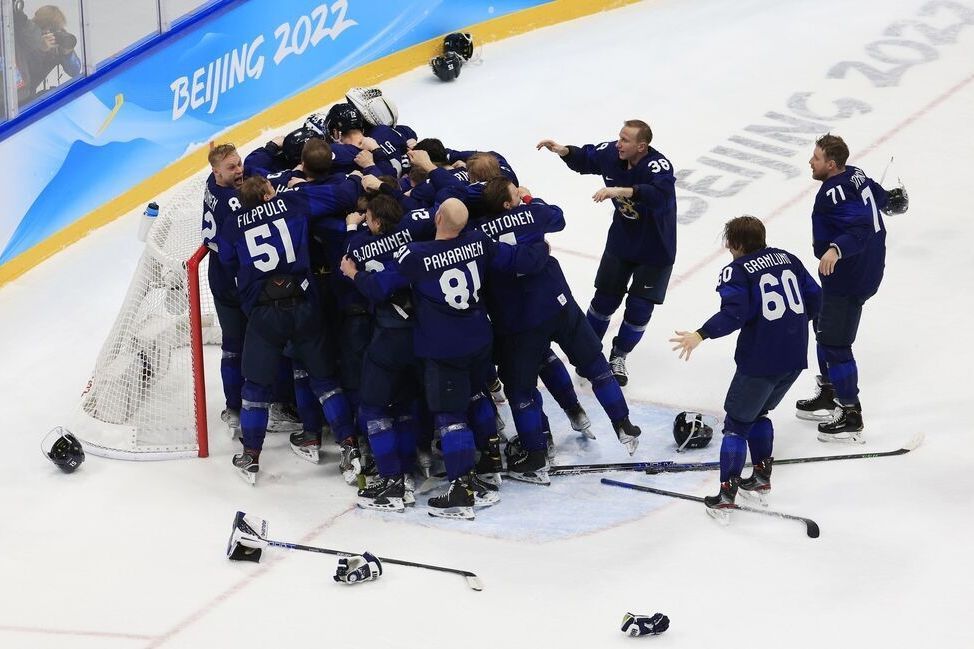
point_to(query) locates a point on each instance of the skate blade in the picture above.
(848, 437)
(307, 453)
(722, 516)
(759, 498)
(351, 473)
(391, 505)
(631, 443)
(464, 513)
(491, 478)
(532, 477)
(486, 499)
(587, 433)
(250, 477)
(828, 415)
(409, 500)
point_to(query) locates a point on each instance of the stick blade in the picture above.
(474, 582)
(914, 442)
(811, 528)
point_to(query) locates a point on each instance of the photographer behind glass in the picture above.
(43, 44)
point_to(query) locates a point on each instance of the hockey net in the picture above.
(145, 399)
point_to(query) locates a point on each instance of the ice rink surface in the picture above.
(132, 554)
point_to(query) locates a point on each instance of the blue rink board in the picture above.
(580, 504)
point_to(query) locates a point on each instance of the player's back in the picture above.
(447, 276)
(781, 297)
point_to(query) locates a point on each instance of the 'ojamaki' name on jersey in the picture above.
(506, 222)
(454, 256)
(262, 211)
(765, 262)
(388, 243)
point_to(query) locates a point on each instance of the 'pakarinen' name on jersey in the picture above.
(766, 261)
(454, 255)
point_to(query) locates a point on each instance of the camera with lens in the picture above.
(65, 41)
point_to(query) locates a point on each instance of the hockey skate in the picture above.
(457, 502)
(497, 392)
(350, 463)
(306, 445)
(718, 506)
(845, 427)
(231, 417)
(408, 490)
(489, 466)
(283, 418)
(758, 485)
(485, 493)
(385, 494)
(424, 462)
(550, 451)
(247, 465)
(527, 466)
(821, 407)
(580, 421)
(628, 434)
(617, 363)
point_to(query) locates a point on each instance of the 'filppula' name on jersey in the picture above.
(262, 211)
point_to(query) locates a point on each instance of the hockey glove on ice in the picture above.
(636, 625)
(363, 567)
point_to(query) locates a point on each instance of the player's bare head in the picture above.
(50, 18)
(829, 157)
(634, 140)
(383, 214)
(226, 165)
(254, 191)
(482, 166)
(451, 217)
(499, 195)
(417, 176)
(316, 158)
(434, 148)
(744, 235)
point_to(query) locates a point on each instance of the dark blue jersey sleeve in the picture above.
(585, 159)
(734, 304)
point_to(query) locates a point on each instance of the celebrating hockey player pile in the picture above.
(390, 291)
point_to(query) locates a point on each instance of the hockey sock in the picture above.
(733, 455)
(843, 373)
(527, 415)
(382, 439)
(606, 388)
(556, 378)
(823, 363)
(760, 440)
(253, 414)
(335, 406)
(456, 440)
(308, 407)
(354, 401)
(231, 373)
(600, 311)
(482, 415)
(406, 424)
(634, 323)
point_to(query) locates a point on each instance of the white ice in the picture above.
(131, 554)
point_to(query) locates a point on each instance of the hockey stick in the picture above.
(811, 527)
(678, 467)
(473, 581)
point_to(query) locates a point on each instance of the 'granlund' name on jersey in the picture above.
(454, 256)
(766, 261)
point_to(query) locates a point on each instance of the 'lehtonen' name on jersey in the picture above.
(261, 212)
(454, 256)
(766, 261)
(389, 243)
(506, 223)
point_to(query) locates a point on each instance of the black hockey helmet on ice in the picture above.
(343, 118)
(63, 448)
(294, 143)
(459, 42)
(689, 431)
(447, 67)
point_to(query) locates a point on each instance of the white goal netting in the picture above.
(140, 402)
